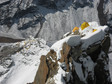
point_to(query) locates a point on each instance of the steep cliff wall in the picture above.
(44, 19)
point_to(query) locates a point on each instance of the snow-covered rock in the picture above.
(20, 67)
(77, 59)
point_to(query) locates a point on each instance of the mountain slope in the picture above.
(24, 63)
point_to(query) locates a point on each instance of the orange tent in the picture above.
(75, 29)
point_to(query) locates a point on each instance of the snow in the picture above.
(26, 62)
(89, 38)
(93, 24)
(51, 59)
(14, 29)
(85, 41)
(59, 76)
(88, 65)
(3, 34)
(86, 31)
(70, 40)
(66, 34)
(74, 40)
(2, 70)
(93, 37)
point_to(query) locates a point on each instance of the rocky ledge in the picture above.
(77, 60)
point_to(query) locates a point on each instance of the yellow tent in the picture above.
(84, 25)
(94, 30)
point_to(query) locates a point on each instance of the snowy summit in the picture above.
(77, 57)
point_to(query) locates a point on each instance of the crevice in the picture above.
(41, 25)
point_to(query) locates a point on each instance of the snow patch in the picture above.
(59, 76)
(70, 40)
(92, 38)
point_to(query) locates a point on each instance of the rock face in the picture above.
(76, 66)
(9, 40)
(47, 69)
(42, 72)
(23, 18)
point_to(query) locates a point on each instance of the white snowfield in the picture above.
(26, 62)
(74, 40)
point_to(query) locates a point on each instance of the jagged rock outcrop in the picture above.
(47, 69)
(77, 60)
(42, 72)
(91, 68)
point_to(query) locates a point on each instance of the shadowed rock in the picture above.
(9, 40)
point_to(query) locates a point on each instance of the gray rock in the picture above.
(44, 19)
